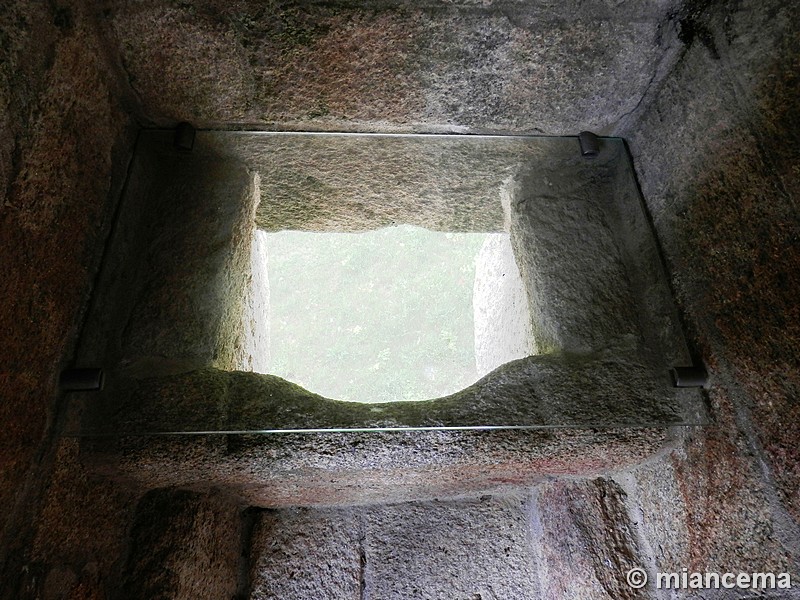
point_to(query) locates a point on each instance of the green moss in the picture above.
(561, 390)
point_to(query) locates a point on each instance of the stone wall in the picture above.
(710, 114)
(537, 67)
(65, 138)
(716, 153)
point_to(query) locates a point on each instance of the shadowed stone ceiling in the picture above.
(539, 67)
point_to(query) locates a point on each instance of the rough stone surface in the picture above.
(64, 144)
(500, 307)
(195, 289)
(559, 229)
(661, 328)
(473, 549)
(334, 469)
(254, 352)
(356, 183)
(758, 329)
(59, 128)
(716, 157)
(181, 255)
(539, 391)
(300, 553)
(728, 516)
(658, 508)
(68, 558)
(705, 508)
(183, 545)
(585, 540)
(393, 66)
(478, 548)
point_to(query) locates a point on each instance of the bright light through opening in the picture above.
(400, 313)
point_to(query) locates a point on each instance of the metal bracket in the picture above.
(81, 380)
(590, 144)
(687, 377)
(184, 137)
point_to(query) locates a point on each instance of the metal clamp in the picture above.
(184, 137)
(81, 380)
(590, 144)
(687, 377)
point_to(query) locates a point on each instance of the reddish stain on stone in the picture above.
(55, 189)
(358, 70)
(724, 497)
(746, 240)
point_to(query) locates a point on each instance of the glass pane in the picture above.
(271, 282)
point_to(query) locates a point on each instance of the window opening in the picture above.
(398, 313)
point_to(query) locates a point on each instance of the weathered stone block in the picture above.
(183, 545)
(530, 67)
(722, 202)
(351, 468)
(586, 541)
(299, 554)
(435, 550)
